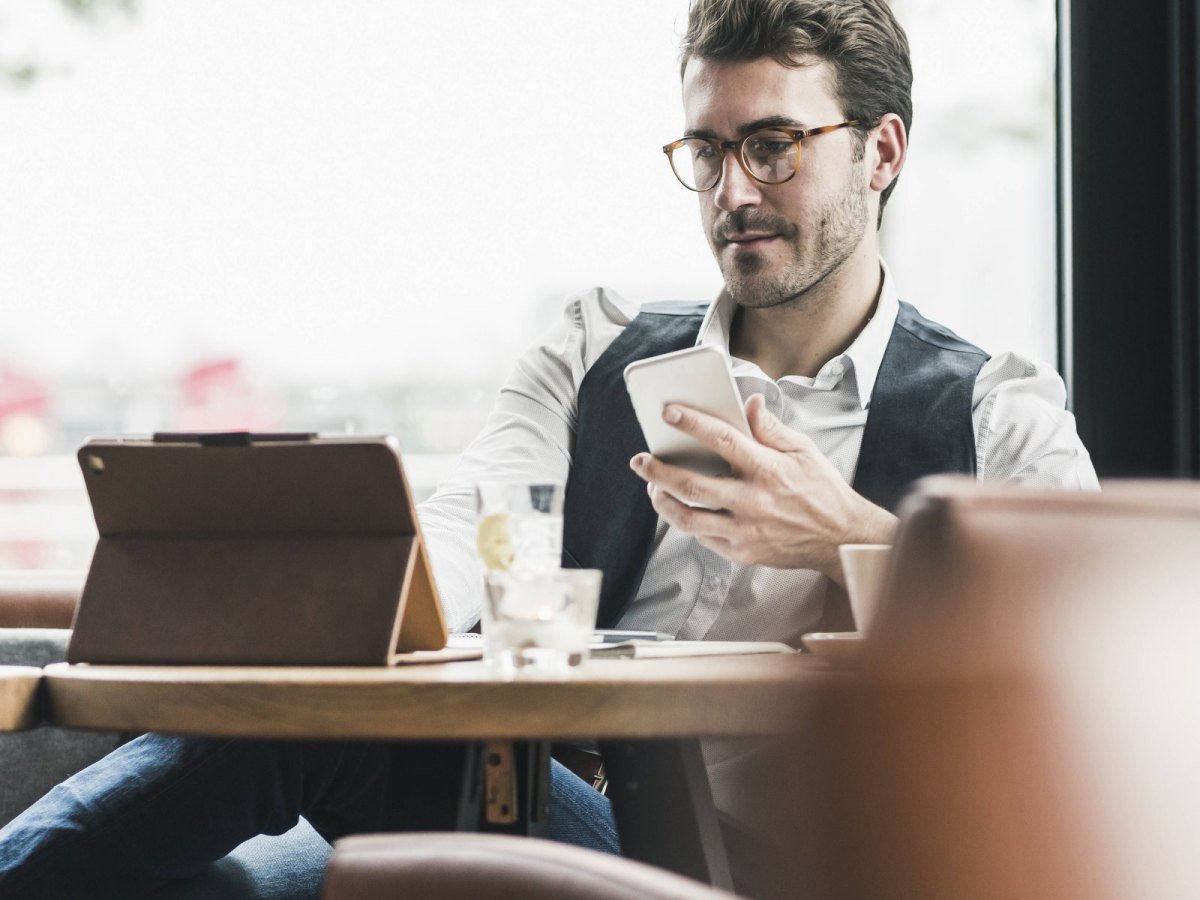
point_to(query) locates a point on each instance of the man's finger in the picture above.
(731, 445)
(700, 522)
(768, 430)
(708, 490)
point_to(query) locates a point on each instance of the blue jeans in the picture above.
(161, 808)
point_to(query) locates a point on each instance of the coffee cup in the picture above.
(865, 568)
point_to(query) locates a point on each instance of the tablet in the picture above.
(240, 548)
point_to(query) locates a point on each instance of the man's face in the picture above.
(775, 242)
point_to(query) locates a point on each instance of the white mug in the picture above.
(865, 567)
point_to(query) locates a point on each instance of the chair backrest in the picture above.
(1027, 719)
(39, 599)
(494, 867)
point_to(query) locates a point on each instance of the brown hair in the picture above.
(861, 38)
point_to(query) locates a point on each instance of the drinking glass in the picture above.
(520, 525)
(539, 623)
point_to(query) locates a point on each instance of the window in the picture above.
(353, 216)
(971, 229)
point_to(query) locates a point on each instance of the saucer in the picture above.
(836, 646)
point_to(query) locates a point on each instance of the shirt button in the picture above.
(715, 584)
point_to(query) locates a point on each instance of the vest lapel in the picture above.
(608, 522)
(920, 418)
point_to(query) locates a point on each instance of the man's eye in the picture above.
(703, 151)
(770, 147)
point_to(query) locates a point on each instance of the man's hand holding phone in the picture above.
(699, 378)
(784, 504)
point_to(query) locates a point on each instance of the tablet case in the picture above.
(253, 549)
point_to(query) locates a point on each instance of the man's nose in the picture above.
(735, 189)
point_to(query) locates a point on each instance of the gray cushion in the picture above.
(33, 646)
(32, 762)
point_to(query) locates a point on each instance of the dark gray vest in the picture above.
(919, 424)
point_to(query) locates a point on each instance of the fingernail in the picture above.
(672, 415)
(636, 463)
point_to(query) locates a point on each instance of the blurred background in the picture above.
(352, 216)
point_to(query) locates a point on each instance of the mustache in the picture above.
(741, 221)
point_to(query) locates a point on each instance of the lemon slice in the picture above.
(493, 540)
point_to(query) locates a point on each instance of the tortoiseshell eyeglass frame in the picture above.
(722, 147)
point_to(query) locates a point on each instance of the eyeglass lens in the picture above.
(771, 157)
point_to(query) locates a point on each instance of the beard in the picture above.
(756, 281)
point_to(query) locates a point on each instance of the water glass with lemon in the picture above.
(520, 526)
(537, 617)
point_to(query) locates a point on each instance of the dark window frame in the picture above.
(1129, 243)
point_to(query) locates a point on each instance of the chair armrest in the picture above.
(39, 599)
(483, 866)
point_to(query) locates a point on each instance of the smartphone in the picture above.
(698, 377)
(619, 636)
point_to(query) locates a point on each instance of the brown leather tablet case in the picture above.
(244, 549)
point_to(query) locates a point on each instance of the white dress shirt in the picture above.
(1023, 433)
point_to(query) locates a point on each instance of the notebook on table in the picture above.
(283, 549)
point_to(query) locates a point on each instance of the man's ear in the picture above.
(891, 149)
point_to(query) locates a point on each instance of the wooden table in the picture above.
(719, 695)
(648, 715)
(18, 697)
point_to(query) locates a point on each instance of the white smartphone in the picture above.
(698, 377)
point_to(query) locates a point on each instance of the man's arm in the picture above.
(1023, 430)
(785, 506)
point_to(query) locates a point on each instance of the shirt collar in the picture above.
(865, 353)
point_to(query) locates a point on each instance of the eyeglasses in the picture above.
(770, 156)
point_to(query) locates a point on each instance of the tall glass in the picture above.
(519, 526)
(518, 532)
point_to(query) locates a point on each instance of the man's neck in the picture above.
(800, 336)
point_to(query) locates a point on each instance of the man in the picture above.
(797, 114)
(807, 315)
(796, 124)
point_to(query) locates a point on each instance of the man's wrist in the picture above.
(880, 526)
(875, 525)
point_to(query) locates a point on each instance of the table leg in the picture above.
(664, 808)
(506, 788)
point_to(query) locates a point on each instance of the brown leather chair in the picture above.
(1027, 721)
(1024, 724)
(494, 867)
(39, 599)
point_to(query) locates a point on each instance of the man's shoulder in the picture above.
(600, 315)
(934, 333)
(596, 317)
(604, 305)
(1024, 431)
(1024, 376)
